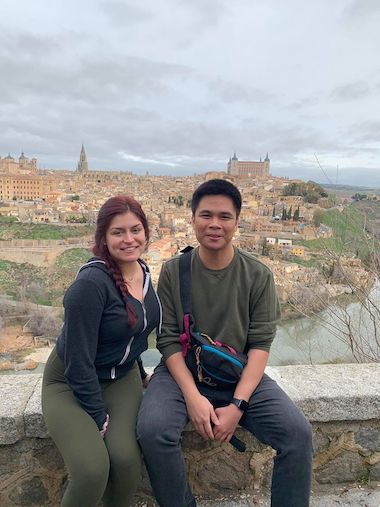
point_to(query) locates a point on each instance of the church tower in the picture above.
(82, 166)
(267, 164)
(233, 165)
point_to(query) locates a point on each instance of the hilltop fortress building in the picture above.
(255, 169)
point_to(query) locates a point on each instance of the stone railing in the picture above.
(341, 401)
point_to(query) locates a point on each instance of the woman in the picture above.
(92, 385)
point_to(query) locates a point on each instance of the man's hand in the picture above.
(202, 415)
(229, 418)
(146, 380)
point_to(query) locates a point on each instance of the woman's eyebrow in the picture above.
(121, 228)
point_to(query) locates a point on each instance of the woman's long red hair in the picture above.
(117, 206)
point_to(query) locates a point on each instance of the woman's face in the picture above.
(125, 238)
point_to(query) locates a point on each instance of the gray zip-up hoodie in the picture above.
(96, 342)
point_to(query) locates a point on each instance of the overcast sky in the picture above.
(176, 86)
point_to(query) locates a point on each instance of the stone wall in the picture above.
(341, 401)
(39, 252)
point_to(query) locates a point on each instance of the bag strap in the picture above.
(185, 279)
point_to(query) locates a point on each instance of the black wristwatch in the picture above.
(241, 404)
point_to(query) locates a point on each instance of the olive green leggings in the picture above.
(109, 468)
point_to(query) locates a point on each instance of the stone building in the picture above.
(19, 179)
(22, 165)
(25, 187)
(256, 169)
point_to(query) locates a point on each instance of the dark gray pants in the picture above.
(271, 417)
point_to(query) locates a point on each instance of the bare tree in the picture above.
(355, 319)
(44, 325)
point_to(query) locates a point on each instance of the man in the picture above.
(233, 301)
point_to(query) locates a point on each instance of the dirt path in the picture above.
(13, 339)
(18, 350)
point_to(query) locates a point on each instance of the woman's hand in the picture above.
(105, 426)
(202, 416)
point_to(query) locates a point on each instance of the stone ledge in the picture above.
(332, 392)
(332, 496)
(15, 392)
(34, 423)
(341, 401)
(343, 392)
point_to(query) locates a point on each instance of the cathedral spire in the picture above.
(82, 166)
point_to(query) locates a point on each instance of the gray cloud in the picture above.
(368, 131)
(351, 91)
(206, 12)
(123, 14)
(177, 86)
(91, 77)
(302, 104)
(362, 9)
(231, 92)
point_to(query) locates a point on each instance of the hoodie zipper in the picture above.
(128, 348)
(160, 311)
(126, 354)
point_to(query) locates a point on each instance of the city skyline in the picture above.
(175, 88)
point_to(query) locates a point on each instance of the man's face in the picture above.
(214, 222)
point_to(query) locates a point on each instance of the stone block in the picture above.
(15, 391)
(218, 470)
(369, 437)
(320, 439)
(374, 473)
(336, 392)
(347, 467)
(47, 457)
(30, 470)
(33, 419)
(30, 492)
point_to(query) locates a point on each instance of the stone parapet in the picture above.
(341, 401)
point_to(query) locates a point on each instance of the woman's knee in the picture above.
(90, 471)
(87, 481)
(125, 459)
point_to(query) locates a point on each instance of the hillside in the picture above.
(11, 229)
(43, 286)
(371, 209)
(350, 233)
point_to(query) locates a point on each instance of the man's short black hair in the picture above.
(217, 187)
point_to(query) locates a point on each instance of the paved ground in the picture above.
(330, 497)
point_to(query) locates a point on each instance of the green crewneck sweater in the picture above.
(236, 305)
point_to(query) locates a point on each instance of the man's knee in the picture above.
(157, 430)
(299, 434)
(305, 432)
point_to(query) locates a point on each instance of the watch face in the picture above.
(241, 404)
